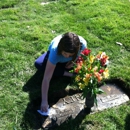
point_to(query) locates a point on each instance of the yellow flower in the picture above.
(91, 58)
(81, 86)
(106, 73)
(86, 80)
(77, 78)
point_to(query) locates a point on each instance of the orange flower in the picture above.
(78, 68)
(88, 76)
(98, 76)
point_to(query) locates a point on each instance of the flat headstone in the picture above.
(71, 106)
(112, 97)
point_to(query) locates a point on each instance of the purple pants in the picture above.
(41, 61)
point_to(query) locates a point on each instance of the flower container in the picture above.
(89, 100)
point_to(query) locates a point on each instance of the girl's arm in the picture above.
(45, 85)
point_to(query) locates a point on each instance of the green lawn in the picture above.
(26, 29)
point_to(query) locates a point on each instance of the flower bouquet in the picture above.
(90, 71)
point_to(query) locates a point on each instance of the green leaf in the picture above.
(100, 91)
(95, 100)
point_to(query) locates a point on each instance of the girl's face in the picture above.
(67, 54)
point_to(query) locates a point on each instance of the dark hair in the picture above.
(69, 43)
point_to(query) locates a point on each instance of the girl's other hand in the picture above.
(69, 65)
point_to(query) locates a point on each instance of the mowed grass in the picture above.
(26, 29)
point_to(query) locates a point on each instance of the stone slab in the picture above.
(71, 106)
(112, 97)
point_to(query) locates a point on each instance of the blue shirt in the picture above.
(54, 58)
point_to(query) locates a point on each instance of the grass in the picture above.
(26, 29)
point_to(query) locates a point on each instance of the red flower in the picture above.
(101, 71)
(103, 61)
(86, 52)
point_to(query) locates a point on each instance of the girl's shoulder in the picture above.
(56, 39)
(83, 41)
(81, 38)
(54, 42)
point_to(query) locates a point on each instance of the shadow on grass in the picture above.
(31, 118)
(127, 122)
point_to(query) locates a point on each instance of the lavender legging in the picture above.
(41, 61)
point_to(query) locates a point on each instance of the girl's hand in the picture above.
(69, 65)
(44, 107)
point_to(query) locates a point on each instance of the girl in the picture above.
(57, 61)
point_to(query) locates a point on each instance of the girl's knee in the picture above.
(36, 64)
(40, 62)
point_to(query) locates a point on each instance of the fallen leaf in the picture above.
(108, 88)
(118, 43)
